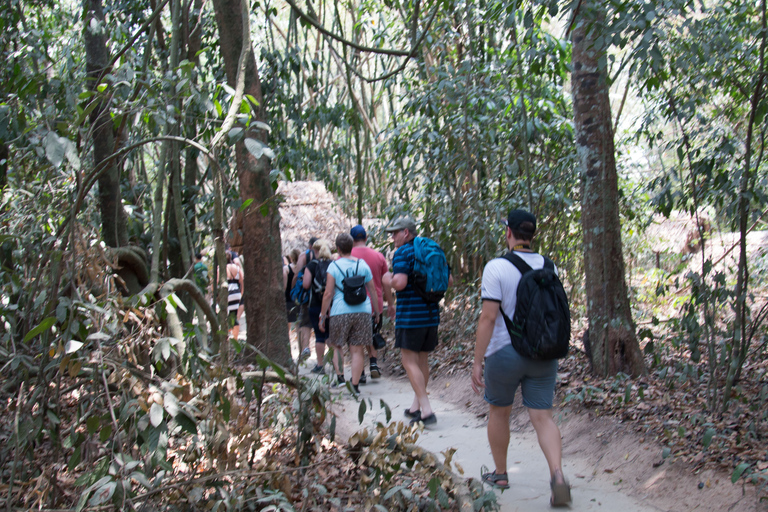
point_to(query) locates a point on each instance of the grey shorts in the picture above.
(352, 328)
(506, 369)
(303, 318)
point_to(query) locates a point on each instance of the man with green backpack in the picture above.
(420, 276)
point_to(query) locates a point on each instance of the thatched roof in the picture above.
(308, 210)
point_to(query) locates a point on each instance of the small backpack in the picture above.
(353, 286)
(298, 294)
(541, 325)
(321, 276)
(430, 270)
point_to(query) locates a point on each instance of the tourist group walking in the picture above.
(523, 329)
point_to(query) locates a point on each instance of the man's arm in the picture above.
(386, 283)
(399, 282)
(484, 331)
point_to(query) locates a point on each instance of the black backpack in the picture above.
(321, 276)
(541, 326)
(353, 287)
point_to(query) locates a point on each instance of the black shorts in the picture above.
(292, 311)
(422, 339)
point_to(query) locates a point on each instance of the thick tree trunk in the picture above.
(97, 59)
(264, 297)
(611, 329)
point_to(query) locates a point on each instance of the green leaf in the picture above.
(55, 148)
(665, 452)
(332, 428)
(93, 424)
(52, 417)
(103, 494)
(226, 407)
(433, 486)
(708, 435)
(236, 134)
(738, 471)
(387, 410)
(254, 147)
(393, 491)
(628, 393)
(41, 328)
(246, 204)
(156, 414)
(74, 460)
(248, 390)
(72, 346)
(186, 422)
(105, 433)
(361, 411)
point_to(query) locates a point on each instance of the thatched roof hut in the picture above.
(308, 210)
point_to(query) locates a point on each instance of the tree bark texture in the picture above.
(263, 295)
(611, 330)
(97, 59)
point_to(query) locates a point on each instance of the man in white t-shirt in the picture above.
(505, 369)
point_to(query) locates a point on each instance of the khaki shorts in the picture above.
(352, 328)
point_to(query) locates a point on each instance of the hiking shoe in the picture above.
(363, 378)
(339, 382)
(375, 372)
(318, 370)
(426, 420)
(356, 388)
(305, 354)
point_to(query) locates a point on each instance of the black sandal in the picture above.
(493, 479)
(412, 414)
(561, 493)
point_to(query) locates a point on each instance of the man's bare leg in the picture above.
(412, 363)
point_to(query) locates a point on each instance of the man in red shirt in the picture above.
(378, 264)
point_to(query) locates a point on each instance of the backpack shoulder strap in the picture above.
(548, 263)
(519, 262)
(335, 284)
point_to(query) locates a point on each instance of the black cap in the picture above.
(518, 217)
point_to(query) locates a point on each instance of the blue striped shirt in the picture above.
(412, 312)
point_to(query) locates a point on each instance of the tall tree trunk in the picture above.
(97, 59)
(264, 295)
(611, 329)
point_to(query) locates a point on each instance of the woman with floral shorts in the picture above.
(350, 324)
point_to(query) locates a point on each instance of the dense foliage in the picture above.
(452, 111)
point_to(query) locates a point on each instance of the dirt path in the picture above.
(610, 467)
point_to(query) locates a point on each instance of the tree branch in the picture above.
(323, 30)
